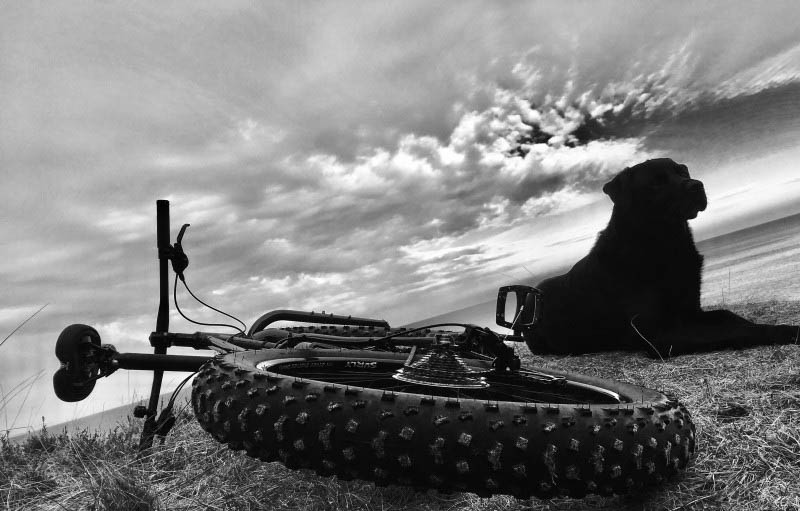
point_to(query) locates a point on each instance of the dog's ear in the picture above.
(615, 188)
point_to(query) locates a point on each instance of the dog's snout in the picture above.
(695, 186)
(697, 192)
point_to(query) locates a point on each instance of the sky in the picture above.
(392, 159)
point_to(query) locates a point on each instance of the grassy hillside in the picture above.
(746, 406)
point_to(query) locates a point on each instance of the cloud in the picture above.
(391, 162)
(347, 163)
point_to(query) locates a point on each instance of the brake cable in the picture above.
(178, 308)
(180, 262)
(215, 309)
(166, 419)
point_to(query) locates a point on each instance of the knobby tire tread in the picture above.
(541, 450)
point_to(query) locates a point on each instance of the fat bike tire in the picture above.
(259, 402)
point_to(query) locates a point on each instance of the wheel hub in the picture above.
(442, 368)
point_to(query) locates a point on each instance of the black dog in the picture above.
(639, 286)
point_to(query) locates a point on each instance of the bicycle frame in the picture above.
(161, 338)
(84, 359)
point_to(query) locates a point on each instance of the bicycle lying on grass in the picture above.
(423, 407)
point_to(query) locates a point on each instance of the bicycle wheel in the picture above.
(345, 413)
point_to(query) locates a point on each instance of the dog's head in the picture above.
(658, 188)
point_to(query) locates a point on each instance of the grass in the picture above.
(746, 406)
(20, 390)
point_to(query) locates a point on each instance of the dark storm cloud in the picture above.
(761, 122)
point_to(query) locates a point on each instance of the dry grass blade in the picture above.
(23, 324)
(25, 386)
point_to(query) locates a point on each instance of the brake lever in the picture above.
(180, 234)
(180, 261)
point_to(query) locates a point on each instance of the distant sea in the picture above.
(755, 264)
